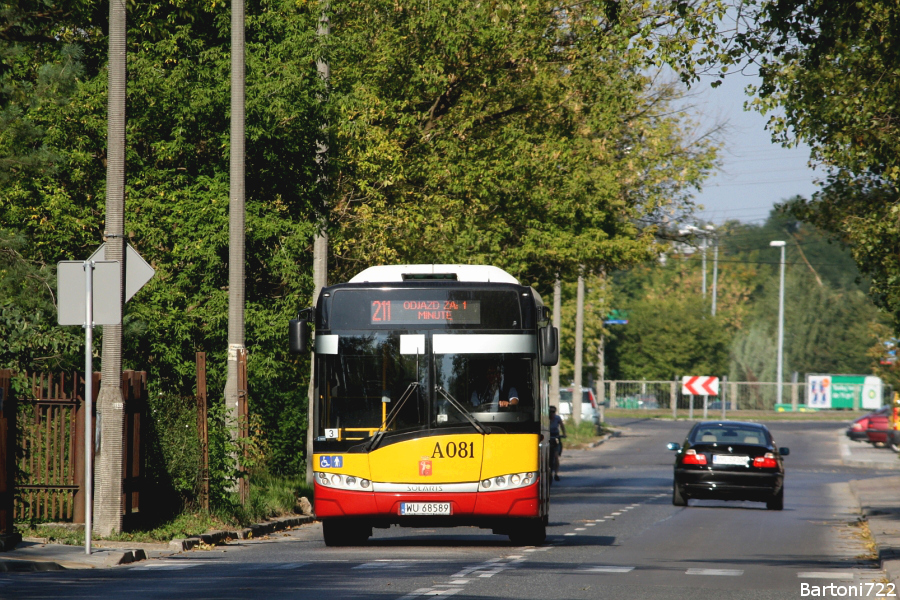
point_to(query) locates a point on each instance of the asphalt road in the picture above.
(614, 533)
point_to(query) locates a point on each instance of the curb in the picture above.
(611, 434)
(123, 553)
(888, 556)
(847, 461)
(254, 531)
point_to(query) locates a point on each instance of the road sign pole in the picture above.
(691, 408)
(88, 398)
(705, 406)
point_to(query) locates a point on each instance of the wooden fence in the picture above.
(7, 457)
(51, 423)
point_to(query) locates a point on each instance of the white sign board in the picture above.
(71, 289)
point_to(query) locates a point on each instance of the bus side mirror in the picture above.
(298, 333)
(549, 340)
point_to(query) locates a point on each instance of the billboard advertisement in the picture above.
(844, 391)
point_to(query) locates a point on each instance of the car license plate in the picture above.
(729, 459)
(424, 508)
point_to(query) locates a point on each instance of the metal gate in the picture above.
(51, 424)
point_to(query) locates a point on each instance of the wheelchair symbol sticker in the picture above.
(331, 462)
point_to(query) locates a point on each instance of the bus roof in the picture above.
(466, 273)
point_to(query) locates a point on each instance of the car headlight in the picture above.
(342, 482)
(507, 482)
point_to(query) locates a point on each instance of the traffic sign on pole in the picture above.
(137, 271)
(71, 288)
(699, 385)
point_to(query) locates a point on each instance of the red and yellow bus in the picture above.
(431, 402)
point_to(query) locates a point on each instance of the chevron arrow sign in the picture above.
(700, 386)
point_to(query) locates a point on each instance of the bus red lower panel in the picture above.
(521, 502)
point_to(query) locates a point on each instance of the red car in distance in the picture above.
(875, 428)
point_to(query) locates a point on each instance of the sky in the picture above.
(755, 172)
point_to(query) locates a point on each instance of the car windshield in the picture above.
(728, 434)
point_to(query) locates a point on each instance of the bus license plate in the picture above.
(424, 508)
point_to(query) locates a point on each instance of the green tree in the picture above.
(832, 70)
(670, 337)
(177, 194)
(525, 135)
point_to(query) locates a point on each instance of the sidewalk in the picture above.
(37, 555)
(879, 499)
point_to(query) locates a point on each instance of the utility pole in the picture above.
(601, 356)
(110, 404)
(557, 318)
(779, 369)
(320, 245)
(704, 267)
(715, 272)
(235, 220)
(579, 342)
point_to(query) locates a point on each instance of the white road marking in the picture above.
(430, 592)
(602, 569)
(616, 514)
(600, 520)
(579, 529)
(728, 572)
(568, 534)
(384, 565)
(288, 566)
(590, 524)
(825, 575)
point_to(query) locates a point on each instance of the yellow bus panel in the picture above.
(433, 459)
(509, 453)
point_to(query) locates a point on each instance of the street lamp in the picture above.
(779, 376)
(715, 276)
(705, 233)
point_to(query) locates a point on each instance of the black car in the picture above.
(729, 460)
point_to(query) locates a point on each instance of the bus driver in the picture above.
(493, 390)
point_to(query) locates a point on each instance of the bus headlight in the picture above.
(507, 482)
(342, 482)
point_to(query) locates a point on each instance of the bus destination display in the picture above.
(410, 312)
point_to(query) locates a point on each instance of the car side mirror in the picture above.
(298, 334)
(784, 451)
(673, 446)
(549, 340)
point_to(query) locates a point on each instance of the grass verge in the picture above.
(270, 496)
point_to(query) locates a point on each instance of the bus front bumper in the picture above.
(468, 506)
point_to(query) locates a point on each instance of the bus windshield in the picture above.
(368, 382)
(491, 387)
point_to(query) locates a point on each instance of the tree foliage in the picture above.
(527, 136)
(832, 69)
(533, 136)
(829, 320)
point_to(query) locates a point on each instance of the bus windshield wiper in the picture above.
(440, 390)
(376, 439)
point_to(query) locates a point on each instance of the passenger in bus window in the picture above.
(493, 390)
